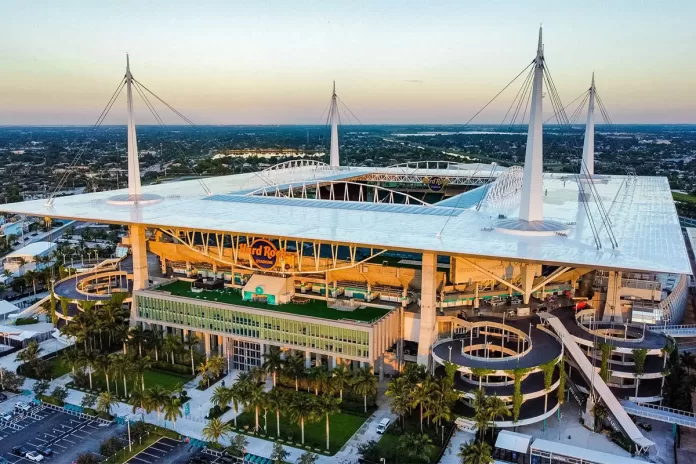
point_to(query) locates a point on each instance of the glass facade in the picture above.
(246, 355)
(270, 328)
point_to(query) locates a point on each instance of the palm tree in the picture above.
(191, 341)
(121, 365)
(236, 398)
(317, 377)
(276, 400)
(216, 429)
(153, 341)
(496, 408)
(328, 405)
(481, 416)
(156, 398)
(600, 413)
(30, 354)
(204, 371)
(273, 362)
(139, 366)
(365, 383)
(438, 411)
(688, 360)
(216, 365)
(255, 397)
(400, 397)
(105, 401)
(103, 363)
(88, 360)
(475, 452)
(302, 408)
(70, 359)
(294, 368)
(171, 345)
(221, 396)
(136, 335)
(138, 399)
(340, 378)
(416, 447)
(420, 396)
(172, 409)
(639, 355)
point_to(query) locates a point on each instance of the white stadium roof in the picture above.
(642, 213)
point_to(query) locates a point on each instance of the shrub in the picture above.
(26, 320)
(179, 369)
(59, 394)
(110, 446)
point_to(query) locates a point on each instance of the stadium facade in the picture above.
(505, 278)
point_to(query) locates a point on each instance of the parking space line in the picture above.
(69, 441)
(60, 446)
(141, 460)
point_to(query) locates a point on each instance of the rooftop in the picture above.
(33, 249)
(313, 308)
(641, 210)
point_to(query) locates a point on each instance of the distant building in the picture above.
(24, 259)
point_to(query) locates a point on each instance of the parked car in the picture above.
(45, 450)
(34, 456)
(3, 397)
(6, 416)
(383, 425)
(19, 451)
(22, 406)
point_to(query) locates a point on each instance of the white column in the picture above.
(133, 162)
(532, 187)
(476, 296)
(308, 359)
(334, 362)
(333, 154)
(613, 304)
(206, 338)
(588, 146)
(428, 316)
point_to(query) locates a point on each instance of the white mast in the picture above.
(133, 166)
(333, 115)
(531, 201)
(588, 147)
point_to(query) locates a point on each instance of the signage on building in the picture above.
(263, 253)
(435, 184)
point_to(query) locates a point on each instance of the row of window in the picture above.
(350, 342)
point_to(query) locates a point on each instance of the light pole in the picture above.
(450, 353)
(130, 443)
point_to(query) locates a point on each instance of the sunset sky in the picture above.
(260, 62)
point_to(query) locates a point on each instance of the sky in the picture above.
(394, 62)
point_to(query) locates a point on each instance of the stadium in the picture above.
(511, 270)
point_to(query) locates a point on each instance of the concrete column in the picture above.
(317, 358)
(206, 338)
(333, 362)
(428, 317)
(380, 363)
(308, 359)
(139, 249)
(527, 281)
(476, 296)
(163, 265)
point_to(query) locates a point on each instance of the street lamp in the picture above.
(450, 353)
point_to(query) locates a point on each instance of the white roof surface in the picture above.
(587, 455)
(513, 441)
(643, 216)
(6, 307)
(33, 249)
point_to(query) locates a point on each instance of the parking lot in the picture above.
(67, 436)
(161, 451)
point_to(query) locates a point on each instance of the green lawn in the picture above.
(387, 445)
(316, 308)
(58, 368)
(165, 379)
(684, 197)
(342, 427)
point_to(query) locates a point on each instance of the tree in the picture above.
(70, 359)
(307, 458)
(481, 372)
(105, 401)
(294, 368)
(110, 446)
(30, 354)
(216, 429)
(137, 399)
(420, 396)
(88, 401)
(87, 458)
(171, 345)
(481, 416)
(138, 366)
(279, 454)
(156, 397)
(238, 445)
(136, 335)
(415, 446)
(103, 363)
(302, 409)
(221, 396)
(496, 408)
(59, 394)
(216, 364)
(475, 452)
(276, 400)
(121, 366)
(398, 391)
(317, 377)
(191, 341)
(600, 413)
(41, 387)
(204, 371)
(328, 405)
(340, 378)
(255, 397)
(88, 359)
(273, 362)
(639, 355)
(688, 360)
(153, 341)
(172, 409)
(365, 383)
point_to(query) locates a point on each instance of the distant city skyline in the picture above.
(393, 62)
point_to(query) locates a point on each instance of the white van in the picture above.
(383, 424)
